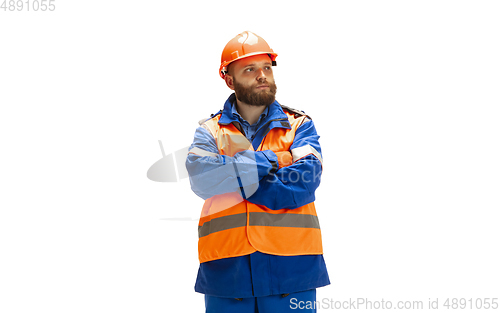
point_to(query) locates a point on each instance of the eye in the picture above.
(249, 69)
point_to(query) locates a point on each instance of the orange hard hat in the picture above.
(244, 45)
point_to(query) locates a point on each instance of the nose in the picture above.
(261, 75)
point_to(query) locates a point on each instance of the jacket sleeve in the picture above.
(212, 174)
(294, 186)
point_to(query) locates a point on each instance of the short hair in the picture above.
(230, 70)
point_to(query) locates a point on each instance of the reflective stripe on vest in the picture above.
(231, 226)
(258, 219)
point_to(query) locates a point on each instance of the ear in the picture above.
(229, 81)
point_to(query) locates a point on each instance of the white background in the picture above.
(405, 96)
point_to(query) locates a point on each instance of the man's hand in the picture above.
(284, 158)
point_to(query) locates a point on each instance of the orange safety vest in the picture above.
(231, 226)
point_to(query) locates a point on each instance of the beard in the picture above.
(256, 98)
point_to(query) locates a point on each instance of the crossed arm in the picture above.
(277, 180)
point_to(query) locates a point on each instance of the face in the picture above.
(252, 80)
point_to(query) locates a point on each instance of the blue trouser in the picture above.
(301, 302)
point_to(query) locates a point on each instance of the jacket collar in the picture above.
(275, 112)
(240, 118)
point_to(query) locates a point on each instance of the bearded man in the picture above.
(257, 164)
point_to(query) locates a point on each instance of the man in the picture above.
(257, 164)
